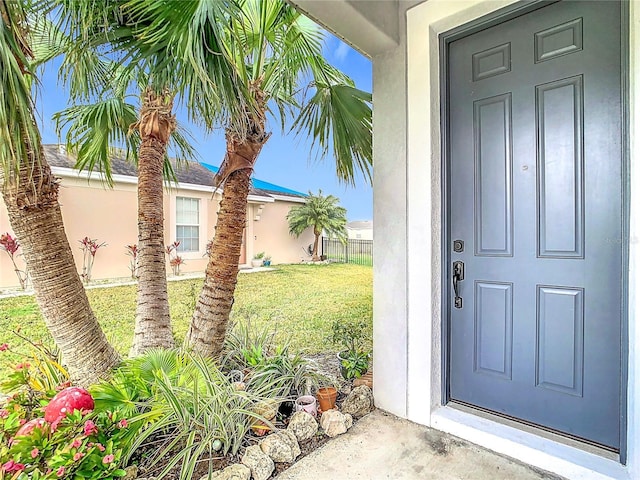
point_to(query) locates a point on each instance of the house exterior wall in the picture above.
(90, 208)
(282, 246)
(359, 234)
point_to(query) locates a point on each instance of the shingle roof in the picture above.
(187, 172)
(262, 185)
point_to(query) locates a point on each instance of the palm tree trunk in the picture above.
(315, 257)
(31, 197)
(153, 320)
(209, 323)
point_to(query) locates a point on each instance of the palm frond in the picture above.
(338, 119)
(20, 141)
(92, 130)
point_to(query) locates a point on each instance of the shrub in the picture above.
(351, 338)
(192, 411)
(87, 445)
(254, 352)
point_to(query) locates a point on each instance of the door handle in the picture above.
(458, 276)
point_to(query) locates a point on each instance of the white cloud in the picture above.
(342, 51)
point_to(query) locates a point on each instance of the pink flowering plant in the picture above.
(82, 445)
(175, 260)
(10, 245)
(56, 433)
(132, 251)
(89, 247)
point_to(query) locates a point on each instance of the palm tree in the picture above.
(320, 213)
(264, 56)
(276, 57)
(30, 192)
(92, 126)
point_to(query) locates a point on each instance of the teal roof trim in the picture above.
(262, 185)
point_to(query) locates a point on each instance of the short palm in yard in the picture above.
(298, 302)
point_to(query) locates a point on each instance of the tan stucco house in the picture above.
(90, 208)
(506, 269)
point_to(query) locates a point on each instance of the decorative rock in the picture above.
(335, 423)
(131, 473)
(303, 426)
(233, 472)
(281, 446)
(259, 463)
(359, 402)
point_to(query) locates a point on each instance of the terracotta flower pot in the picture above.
(327, 398)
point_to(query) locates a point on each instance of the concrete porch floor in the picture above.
(382, 446)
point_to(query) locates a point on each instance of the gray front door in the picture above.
(535, 193)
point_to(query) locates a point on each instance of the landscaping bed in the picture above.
(167, 413)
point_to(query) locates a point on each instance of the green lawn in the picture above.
(299, 302)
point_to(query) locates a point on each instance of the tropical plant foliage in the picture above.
(321, 213)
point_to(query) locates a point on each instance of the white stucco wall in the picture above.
(390, 332)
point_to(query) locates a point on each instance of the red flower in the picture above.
(90, 428)
(123, 423)
(34, 453)
(62, 386)
(12, 466)
(76, 443)
(60, 472)
(100, 447)
(78, 456)
(4, 413)
(23, 366)
(4, 347)
(108, 459)
(9, 244)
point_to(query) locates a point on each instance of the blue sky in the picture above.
(285, 160)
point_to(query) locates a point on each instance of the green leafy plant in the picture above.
(293, 374)
(81, 446)
(36, 379)
(258, 256)
(253, 350)
(353, 364)
(351, 338)
(193, 412)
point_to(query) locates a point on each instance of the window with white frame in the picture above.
(188, 224)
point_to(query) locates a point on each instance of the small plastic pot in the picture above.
(307, 403)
